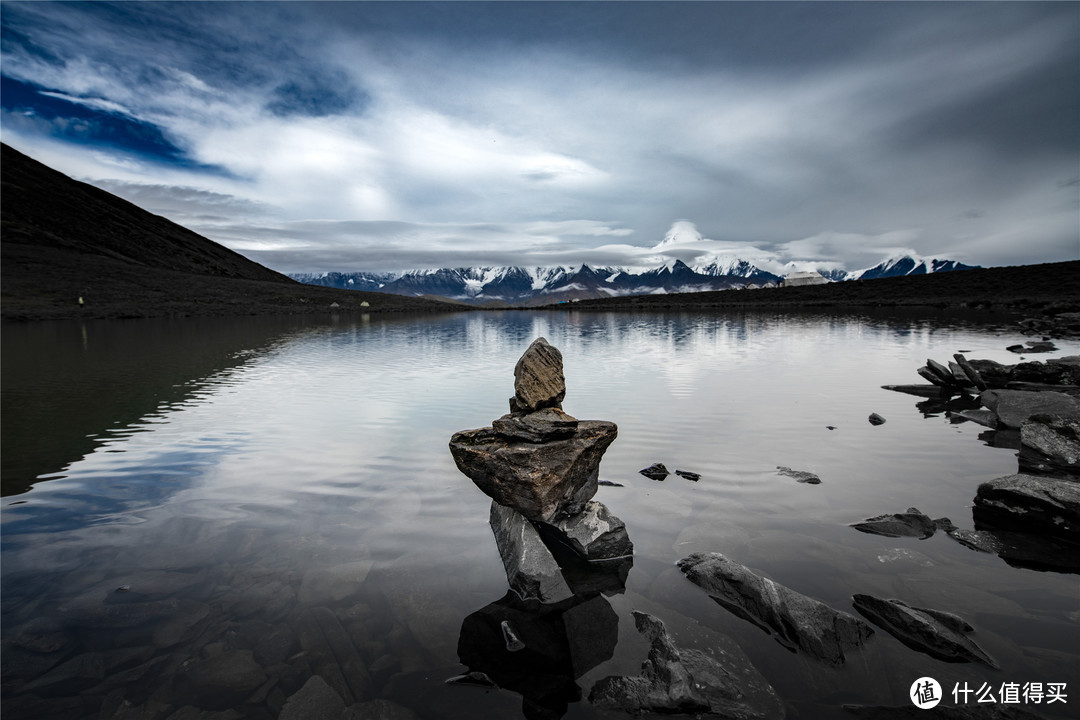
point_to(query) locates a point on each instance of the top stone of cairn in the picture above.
(538, 379)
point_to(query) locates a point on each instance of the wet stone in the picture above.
(594, 533)
(796, 621)
(1014, 407)
(691, 476)
(876, 419)
(222, 681)
(531, 569)
(656, 471)
(315, 701)
(536, 427)
(1031, 502)
(1053, 439)
(941, 635)
(907, 524)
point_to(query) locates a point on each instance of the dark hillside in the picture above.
(61, 239)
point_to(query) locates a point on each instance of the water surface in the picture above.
(205, 489)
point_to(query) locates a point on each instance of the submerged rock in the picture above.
(906, 524)
(675, 680)
(940, 635)
(531, 569)
(656, 471)
(799, 475)
(1032, 503)
(691, 476)
(797, 622)
(316, 700)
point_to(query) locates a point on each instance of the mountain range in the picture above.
(531, 286)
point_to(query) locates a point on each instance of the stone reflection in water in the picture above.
(556, 643)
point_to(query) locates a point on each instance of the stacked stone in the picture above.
(540, 466)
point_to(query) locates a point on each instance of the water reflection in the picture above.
(247, 488)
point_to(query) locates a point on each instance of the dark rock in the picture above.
(876, 419)
(796, 621)
(315, 701)
(594, 533)
(675, 680)
(691, 476)
(323, 637)
(222, 681)
(608, 483)
(513, 642)
(969, 371)
(960, 379)
(538, 378)
(980, 540)
(907, 524)
(656, 471)
(940, 635)
(531, 569)
(1040, 346)
(1016, 348)
(78, 673)
(930, 391)
(544, 481)
(41, 635)
(1054, 439)
(943, 373)
(537, 427)
(799, 475)
(1032, 503)
(1013, 407)
(1049, 373)
(933, 378)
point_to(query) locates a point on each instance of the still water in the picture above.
(206, 513)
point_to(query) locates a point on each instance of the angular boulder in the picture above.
(544, 481)
(1031, 502)
(595, 534)
(656, 471)
(530, 567)
(940, 635)
(796, 621)
(536, 427)
(538, 378)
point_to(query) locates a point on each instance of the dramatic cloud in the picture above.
(383, 136)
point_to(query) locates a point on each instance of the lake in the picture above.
(207, 513)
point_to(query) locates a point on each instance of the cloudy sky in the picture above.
(384, 136)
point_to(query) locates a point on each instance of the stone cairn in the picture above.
(540, 467)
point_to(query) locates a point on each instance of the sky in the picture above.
(385, 136)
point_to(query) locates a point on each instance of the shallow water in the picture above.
(207, 492)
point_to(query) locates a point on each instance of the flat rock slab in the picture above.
(1034, 502)
(906, 524)
(939, 634)
(537, 427)
(675, 680)
(796, 621)
(538, 378)
(1014, 407)
(595, 534)
(531, 569)
(544, 481)
(929, 391)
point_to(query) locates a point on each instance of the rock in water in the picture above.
(940, 635)
(594, 534)
(656, 471)
(1031, 503)
(530, 567)
(538, 378)
(876, 419)
(799, 475)
(544, 481)
(907, 524)
(798, 622)
(1014, 407)
(676, 681)
(1055, 439)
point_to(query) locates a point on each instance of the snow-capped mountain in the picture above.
(544, 285)
(907, 265)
